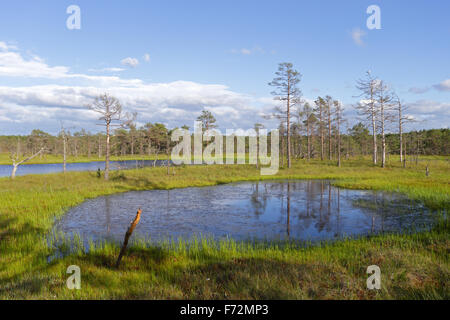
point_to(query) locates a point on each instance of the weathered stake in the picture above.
(128, 235)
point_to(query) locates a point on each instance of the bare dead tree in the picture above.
(285, 82)
(16, 162)
(64, 137)
(348, 134)
(169, 150)
(402, 119)
(307, 112)
(338, 117)
(63, 132)
(367, 107)
(111, 113)
(257, 127)
(384, 99)
(329, 111)
(320, 112)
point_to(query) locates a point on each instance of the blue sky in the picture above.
(218, 55)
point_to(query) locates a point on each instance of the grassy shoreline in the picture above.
(415, 266)
(53, 159)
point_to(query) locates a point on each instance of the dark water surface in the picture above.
(5, 170)
(275, 210)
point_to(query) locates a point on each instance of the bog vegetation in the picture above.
(413, 265)
(380, 152)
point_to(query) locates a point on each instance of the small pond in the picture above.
(275, 210)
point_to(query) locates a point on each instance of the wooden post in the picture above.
(128, 235)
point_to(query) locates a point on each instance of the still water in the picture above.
(5, 170)
(276, 210)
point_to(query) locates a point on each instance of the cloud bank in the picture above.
(58, 94)
(174, 103)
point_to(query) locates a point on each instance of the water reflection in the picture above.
(275, 210)
(108, 216)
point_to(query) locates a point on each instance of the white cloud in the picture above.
(12, 64)
(6, 47)
(430, 114)
(246, 51)
(430, 107)
(176, 103)
(130, 62)
(107, 70)
(357, 35)
(146, 57)
(443, 86)
(23, 108)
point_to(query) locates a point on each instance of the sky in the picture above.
(169, 60)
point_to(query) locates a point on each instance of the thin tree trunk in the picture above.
(374, 127)
(329, 131)
(383, 138)
(13, 173)
(400, 131)
(132, 145)
(288, 131)
(338, 139)
(374, 134)
(308, 132)
(321, 135)
(107, 151)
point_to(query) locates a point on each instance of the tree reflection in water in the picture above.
(297, 210)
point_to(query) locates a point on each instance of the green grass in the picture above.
(413, 266)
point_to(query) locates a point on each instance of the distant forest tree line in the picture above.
(152, 139)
